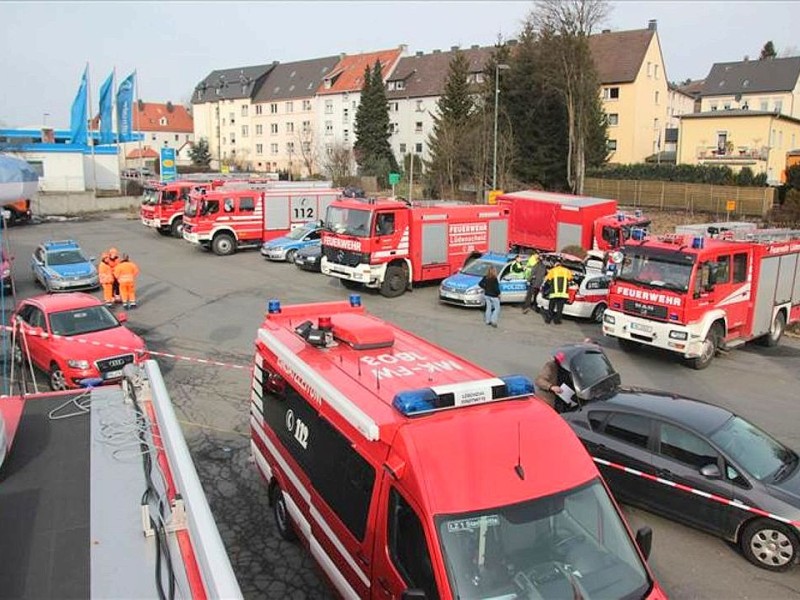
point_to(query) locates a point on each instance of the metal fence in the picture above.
(689, 197)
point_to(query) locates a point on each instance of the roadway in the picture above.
(193, 303)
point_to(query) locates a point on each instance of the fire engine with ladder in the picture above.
(698, 295)
(408, 472)
(245, 215)
(390, 244)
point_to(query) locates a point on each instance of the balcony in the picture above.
(738, 155)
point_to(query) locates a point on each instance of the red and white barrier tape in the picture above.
(691, 490)
(79, 340)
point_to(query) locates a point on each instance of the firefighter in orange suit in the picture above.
(106, 274)
(113, 260)
(126, 272)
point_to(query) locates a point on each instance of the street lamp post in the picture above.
(497, 68)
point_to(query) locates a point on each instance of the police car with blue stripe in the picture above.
(285, 247)
(463, 289)
(61, 266)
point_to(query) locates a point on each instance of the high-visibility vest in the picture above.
(532, 260)
(126, 271)
(560, 277)
(105, 272)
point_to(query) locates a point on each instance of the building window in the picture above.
(163, 121)
(290, 147)
(346, 135)
(232, 117)
(187, 137)
(259, 129)
(418, 127)
(346, 115)
(402, 148)
(153, 137)
(245, 130)
(290, 127)
(273, 108)
(655, 124)
(306, 126)
(726, 106)
(396, 106)
(354, 104)
(328, 127)
(258, 109)
(418, 148)
(290, 107)
(328, 107)
(244, 110)
(419, 105)
(656, 97)
(233, 138)
(176, 137)
(259, 149)
(612, 145)
(778, 105)
(714, 106)
(273, 148)
(306, 104)
(400, 85)
(655, 71)
(613, 120)
(273, 128)
(611, 93)
(306, 147)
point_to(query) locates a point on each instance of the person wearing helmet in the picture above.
(113, 260)
(126, 272)
(106, 274)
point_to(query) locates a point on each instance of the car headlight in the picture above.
(679, 335)
(78, 364)
(473, 291)
(54, 275)
(610, 319)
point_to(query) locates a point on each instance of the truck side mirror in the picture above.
(644, 539)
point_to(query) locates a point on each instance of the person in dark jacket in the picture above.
(535, 282)
(491, 293)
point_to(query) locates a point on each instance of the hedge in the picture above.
(714, 175)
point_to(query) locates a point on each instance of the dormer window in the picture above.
(162, 121)
(328, 84)
(401, 85)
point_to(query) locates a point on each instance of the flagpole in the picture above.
(138, 120)
(89, 118)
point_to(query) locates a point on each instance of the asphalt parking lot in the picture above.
(193, 303)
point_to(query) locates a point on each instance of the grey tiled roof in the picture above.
(426, 74)
(618, 55)
(299, 79)
(231, 84)
(752, 77)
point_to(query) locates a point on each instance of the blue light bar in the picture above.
(518, 385)
(415, 401)
(697, 243)
(620, 216)
(637, 233)
(274, 306)
(355, 299)
(638, 213)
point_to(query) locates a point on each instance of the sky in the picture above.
(44, 46)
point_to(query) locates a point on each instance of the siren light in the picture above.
(274, 306)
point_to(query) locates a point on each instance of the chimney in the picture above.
(606, 31)
(453, 48)
(419, 53)
(746, 58)
(342, 55)
(170, 107)
(403, 49)
(652, 25)
(140, 105)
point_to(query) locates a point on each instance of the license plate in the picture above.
(640, 327)
(112, 374)
(449, 295)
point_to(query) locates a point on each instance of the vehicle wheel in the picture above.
(350, 285)
(57, 379)
(769, 545)
(290, 255)
(597, 313)
(163, 231)
(223, 244)
(394, 282)
(176, 229)
(710, 346)
(775, 332)
(628, 345)
(282, 519)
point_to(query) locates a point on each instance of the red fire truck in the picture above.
(238, 216)
(389, 244)
(163, 203)
(696, 295)
(409, 472)
(549, 222)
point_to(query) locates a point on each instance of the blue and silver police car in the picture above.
(61, 266)
(463, 289)
(285, 247)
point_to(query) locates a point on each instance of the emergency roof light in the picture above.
(416, 402)
(620, 216)
(355, 299)
(697, 243)
(273, 306)
(60, 244)
(637, 233)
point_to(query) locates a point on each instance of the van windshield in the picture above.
(566, 546)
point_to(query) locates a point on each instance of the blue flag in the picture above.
(106, 133)
(77, 123)
(125, 108)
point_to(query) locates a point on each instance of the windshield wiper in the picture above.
(785, 469)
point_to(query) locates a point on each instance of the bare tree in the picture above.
(338, 161)
(565, 26)
(307, 145)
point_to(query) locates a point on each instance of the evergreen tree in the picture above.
(768, 51)
(372, 149)
(449, 142)
(200, 153)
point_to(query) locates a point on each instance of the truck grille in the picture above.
(115, 363)
(347, 258)
(651, 311)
